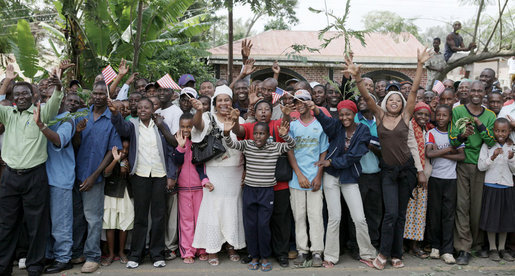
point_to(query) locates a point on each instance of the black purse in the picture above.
(210, 147)
(283, 170)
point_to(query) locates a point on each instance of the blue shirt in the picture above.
(369, 162)
(60, 165)
(97, 138)
(310, 142)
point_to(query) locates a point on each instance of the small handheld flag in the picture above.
(167, 82)
(438, 87)
(109, 74)
(277, 95)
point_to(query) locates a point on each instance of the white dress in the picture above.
(220, 216)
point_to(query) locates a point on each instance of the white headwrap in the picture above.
(222, 89)
(383, 103)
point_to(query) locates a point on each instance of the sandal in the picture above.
(253, 265)
(188, 260)
(327, 264)
(369, 263)
(233, 255)
(124, 259)
(419, 253)
(397, 263)
(203, 257)
(266, 267)
(379, 262)
(214, 260)
(107, 261)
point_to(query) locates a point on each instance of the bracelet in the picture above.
(44, 127)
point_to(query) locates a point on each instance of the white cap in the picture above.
(313, 84)
(190, 91)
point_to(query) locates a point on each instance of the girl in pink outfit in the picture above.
(192, 179)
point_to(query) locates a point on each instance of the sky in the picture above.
(434, 10)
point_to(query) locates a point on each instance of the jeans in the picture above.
(61, 216)
(88, 218)
(351, 193)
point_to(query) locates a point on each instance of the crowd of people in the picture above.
(301, 175)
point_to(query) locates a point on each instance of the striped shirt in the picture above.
(260, 162)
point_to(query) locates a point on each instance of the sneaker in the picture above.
(89, 267)
(493, 255)
(435, 254)
(301, 258)
(21, 263)
(448, 258)
(159, 263)
(132, 264)
(170, 255)
(506, 256)
(316, 260)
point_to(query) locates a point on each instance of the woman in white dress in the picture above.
(220, 217)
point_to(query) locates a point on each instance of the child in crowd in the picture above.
(206, 103)
(305, 186)
(155, 101)
(498, 206)
(118, 207)
(442, 186)
(190, 182)
(258, 193)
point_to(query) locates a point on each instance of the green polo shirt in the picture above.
(24, 145)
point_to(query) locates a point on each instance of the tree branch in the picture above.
(480, 9)
(252, 22)
(485, 49)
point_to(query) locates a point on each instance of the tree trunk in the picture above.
(231, 38)
(137, 42)
(480, 9)
(495, 27)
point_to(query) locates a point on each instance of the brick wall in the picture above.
(319, 74)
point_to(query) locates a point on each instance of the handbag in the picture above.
(283, 170)
(210, 147)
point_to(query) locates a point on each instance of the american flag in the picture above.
(438, 87)
(109, 74)
(277, 95)
(167, 82)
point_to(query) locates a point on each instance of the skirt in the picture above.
(498, 210)
(416, 215)
(118, 212)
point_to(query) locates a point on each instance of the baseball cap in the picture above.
(303, 95)
(290, 81)
(185, 79)
(190, 91)
(313, 84)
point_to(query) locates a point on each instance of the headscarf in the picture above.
(348, 104)
(222, 89)
(422, 105)
(383, 103)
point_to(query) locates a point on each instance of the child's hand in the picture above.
(228, 125)
(316, 183)
(197, 105)
(303, 182)
(510, 154)
(209, 186)
(234, 114)
(323, 163)
(497, 151)
(285, 110)
(283, 129)
(116, 155)
(181, 140)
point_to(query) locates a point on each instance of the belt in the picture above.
(24, 171)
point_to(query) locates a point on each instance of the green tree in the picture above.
(277, 24)
(390, 22)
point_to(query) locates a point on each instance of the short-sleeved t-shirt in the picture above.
(273, 125)
(442, 167)
(310, 142)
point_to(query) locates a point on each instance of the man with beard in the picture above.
(24, 185)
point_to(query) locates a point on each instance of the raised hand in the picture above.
(37, 118)
(285, 110)
(197, 105)
(65, 64)
(131, 78)
(423, 56)
(111, 106)
(310, 104)
(253, 97)
(351, 68)
(123, 69)
(9, 72)
(117, 155)
(158, 119)
(81, 125)
(249, 68)
(181, 140)
(284, 127)
(55, 81)
(276, 68)
(246, 45)
(234, 114)
(228, 125)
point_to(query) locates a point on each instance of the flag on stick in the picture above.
(109, 74)
(277, 95)
(167, 82)
(438, 87)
